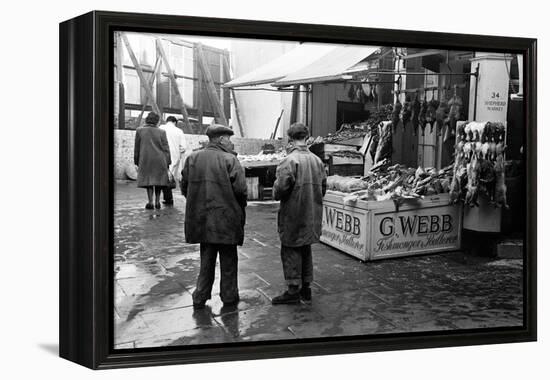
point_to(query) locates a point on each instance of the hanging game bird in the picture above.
(395, 114)
(422, 121)
(440, 115)
(406, 111)
(415, 114)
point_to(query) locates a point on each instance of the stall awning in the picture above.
(329, 67)
(294, 60)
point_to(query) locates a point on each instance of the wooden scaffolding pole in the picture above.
(156, 69)
(142, 79)
(210, 87)
(174, 83)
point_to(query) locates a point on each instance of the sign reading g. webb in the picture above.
(371, 231)
(416, 231)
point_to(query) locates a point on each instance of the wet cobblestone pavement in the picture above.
(155, 274)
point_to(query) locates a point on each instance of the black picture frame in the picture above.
(86, 188)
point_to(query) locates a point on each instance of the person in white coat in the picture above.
(176, 142)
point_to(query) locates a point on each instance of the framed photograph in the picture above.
(235, 189)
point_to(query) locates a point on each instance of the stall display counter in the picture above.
(374, 230)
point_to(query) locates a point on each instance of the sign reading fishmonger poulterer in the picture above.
(377, 230)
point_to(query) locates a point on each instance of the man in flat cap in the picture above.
(300, 186)
(214, 185)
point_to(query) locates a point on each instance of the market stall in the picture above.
(393, 211)
(260, 172)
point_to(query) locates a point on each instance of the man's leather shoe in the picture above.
(286, 298)
(305, 293)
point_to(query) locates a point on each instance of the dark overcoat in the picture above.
(214, 185)
(152, 156)
(300, 186)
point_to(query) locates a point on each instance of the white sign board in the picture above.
(493, 84)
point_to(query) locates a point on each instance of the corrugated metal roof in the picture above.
(328, 67)
(290, 62)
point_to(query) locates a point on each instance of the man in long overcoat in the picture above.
(214, 185)
(300, 186)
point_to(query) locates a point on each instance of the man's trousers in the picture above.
(229, 291)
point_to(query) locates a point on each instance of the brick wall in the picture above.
(124, 147)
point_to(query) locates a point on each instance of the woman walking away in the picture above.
(152, 156)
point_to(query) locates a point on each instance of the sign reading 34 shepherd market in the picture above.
(382, 232)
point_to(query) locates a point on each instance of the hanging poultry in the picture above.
(422, 121)
(367, 90)
(472, 190)
(459, 177)
(376, 91)
(406, 111)
(487, 176)
(500, 184)
(479, 151)
(491, 134)
(440, 115)
(351, 92)
(395, 113)
(478, 130)
(460, 136)
(360, 95)
(415, 114)
(455, 110)
(430, 113)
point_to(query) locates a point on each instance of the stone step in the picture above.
(510, 249)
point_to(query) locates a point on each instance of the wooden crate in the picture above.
(346, 170)
(266, 193)
(370, 230)
(330, 148)
(346, 166)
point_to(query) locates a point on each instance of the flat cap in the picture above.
(298, 131)
(215, 130)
